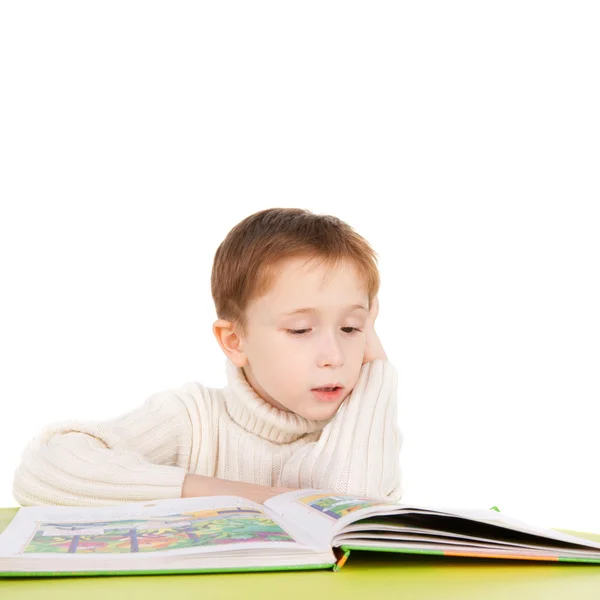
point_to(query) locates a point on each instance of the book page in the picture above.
(484, 525)
(325, 514)
(322, 514)
(502, 520)
(159, 527)
(413, 539)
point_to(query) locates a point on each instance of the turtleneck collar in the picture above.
(257, 416)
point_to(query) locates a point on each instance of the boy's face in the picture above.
(283, 367)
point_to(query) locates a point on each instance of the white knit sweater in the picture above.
(231, 433)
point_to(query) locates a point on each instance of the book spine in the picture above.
(342, 561)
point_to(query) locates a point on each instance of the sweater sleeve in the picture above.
(358, 451)
(142, 455)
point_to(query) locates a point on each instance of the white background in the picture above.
(460, 138)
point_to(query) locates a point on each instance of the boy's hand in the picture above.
(203, 485)
(373, 347)
(373, 310)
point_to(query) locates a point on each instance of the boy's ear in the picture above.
(230, 342)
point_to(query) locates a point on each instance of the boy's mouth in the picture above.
(327, 393)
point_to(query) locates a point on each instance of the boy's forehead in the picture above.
(298, 290)
(315, 309)
(303, 283)
(303, 271)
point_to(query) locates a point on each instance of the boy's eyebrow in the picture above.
(309, 309)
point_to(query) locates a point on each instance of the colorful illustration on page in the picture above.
(336, 507)
(213, 527)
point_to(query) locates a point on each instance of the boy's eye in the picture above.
(302, 331)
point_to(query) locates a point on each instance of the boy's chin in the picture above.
(320, 412)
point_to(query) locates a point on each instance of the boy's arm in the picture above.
(141, 455)
(358, 451)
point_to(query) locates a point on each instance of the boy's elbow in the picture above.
(22, 489)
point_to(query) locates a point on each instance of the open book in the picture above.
(303, 529)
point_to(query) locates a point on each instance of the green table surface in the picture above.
(366, 575)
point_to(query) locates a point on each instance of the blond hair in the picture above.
(246, 261)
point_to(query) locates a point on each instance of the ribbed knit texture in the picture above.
(231, 433)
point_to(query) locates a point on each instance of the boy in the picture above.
(296, 297)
